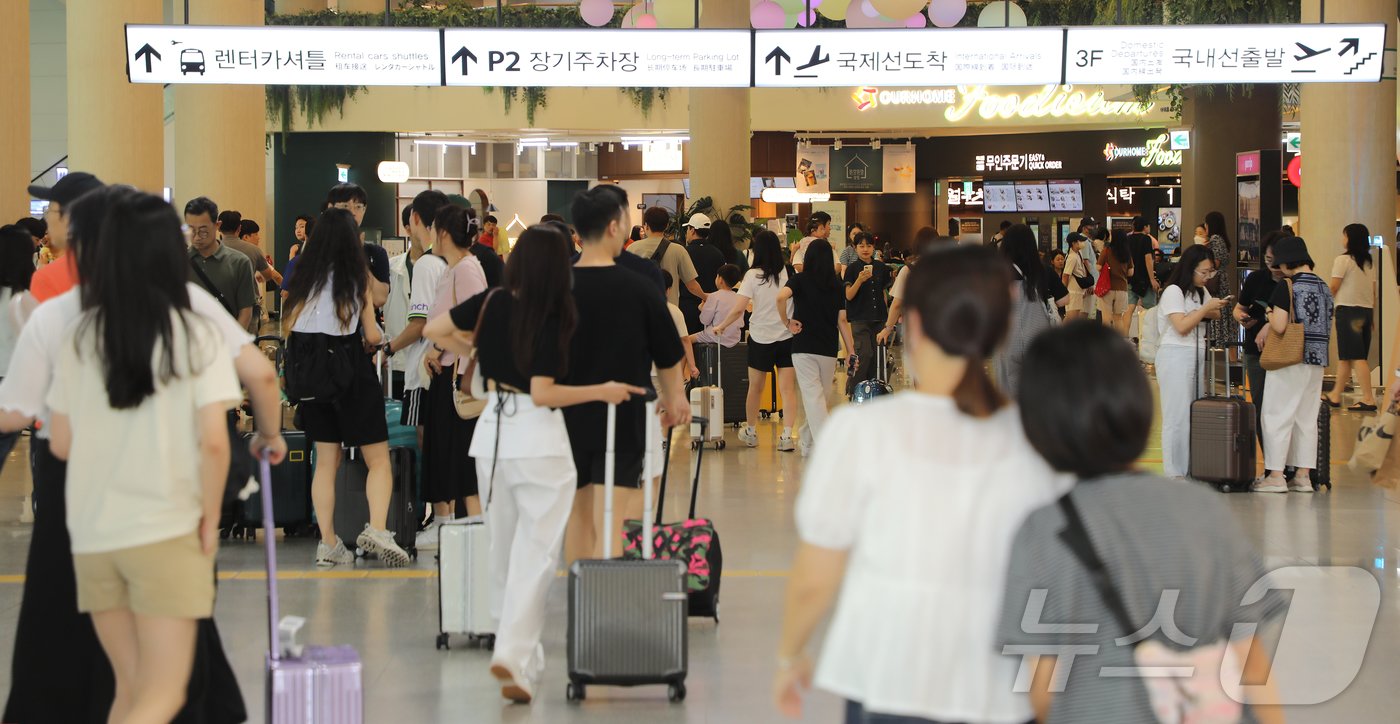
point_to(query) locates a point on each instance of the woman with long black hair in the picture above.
(722, 238)
(770, 340)
(1031, 311)
(818, 323)
(139, 403)
(333, 316)
(1118, 262)
(1353, 289)
(522, 332)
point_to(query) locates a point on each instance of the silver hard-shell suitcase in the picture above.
(465, 583)
(627, 618)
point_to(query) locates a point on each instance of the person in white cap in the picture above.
(707, 260)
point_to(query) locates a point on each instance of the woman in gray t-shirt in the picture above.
(1124, 553)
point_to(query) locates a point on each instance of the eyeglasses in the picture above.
(199, 232)
(351, 206)
(1207, 274)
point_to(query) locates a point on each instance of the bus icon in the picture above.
(191, 61)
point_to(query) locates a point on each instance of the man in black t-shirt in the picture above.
(623, 329)
(866, 281)
(1143, 286)
(707, 260)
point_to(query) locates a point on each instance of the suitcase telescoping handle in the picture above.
(610, 471)
(704, 423)
(265, 475)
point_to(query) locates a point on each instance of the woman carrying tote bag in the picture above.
(1299, 307)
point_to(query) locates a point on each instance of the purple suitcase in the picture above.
(317, 685)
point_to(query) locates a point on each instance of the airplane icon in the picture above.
(1308, 52)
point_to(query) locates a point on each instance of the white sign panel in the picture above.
(902, 57)
(1225, 54)
(283, 55)
(813, 169)
(899, 169)
(606, 58)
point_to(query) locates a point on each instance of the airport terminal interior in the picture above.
(1085, 133)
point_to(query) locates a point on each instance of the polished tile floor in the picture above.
(390, 617)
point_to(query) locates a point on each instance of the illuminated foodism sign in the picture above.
(962, 102)
(1155, 153)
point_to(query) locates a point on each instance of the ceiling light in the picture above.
(434, 142)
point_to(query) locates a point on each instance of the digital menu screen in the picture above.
(999, 196)
(1032, 196)
(1066, 196)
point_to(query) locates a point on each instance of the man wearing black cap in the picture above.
(60, 276)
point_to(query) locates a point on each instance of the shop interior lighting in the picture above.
(837, 145)
(435, 142)
(875, 144)
(792, 196)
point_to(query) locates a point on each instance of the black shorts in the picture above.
(353, 419)
(1354, 333)
(412, 407)
(591, 469)
(764, 357)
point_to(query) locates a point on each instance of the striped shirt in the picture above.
(1154, 535)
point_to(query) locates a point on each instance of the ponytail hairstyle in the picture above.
(1358, 244)
(459, 223)
(960, 295)
(539, 276)
(334, 255)
(136, 236)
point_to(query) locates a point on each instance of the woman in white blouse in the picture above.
(916, 531)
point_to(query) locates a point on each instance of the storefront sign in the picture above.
(1155, 153)
(1058, 101)
(608, 58)
(965, 193)
(283, 55)
(810, 58)
(1017, 162)
(1225, 54)
(857, 169)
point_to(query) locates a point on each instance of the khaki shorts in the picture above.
(171, 578)
(1079, 301)
(1115, 303)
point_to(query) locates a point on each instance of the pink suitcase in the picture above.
(314, 685)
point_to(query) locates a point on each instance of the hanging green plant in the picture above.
(646, 98)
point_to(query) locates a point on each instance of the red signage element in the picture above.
(1247, 164)
(1295, 171)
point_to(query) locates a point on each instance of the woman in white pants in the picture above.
(819, 316)
(1290, 410)
(1184, 306)
(522, 333)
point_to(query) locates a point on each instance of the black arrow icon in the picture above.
(464, 55)
(1350, 44)
(778, 56)
(147, 51)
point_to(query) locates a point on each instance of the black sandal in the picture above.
(1362, 407)
(1330, 402)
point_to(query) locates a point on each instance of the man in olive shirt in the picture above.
(223, 272)
(675, 259)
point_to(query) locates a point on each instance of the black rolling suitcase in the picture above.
(352, 507)
(1322, 474)
(627, 619)
(291, 489)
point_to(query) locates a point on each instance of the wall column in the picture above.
(14, 125)
(720, 125)
(1349, 167)
(115, 128)
(220, 131)
(1221, 126)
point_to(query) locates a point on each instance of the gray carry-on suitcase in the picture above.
(627, 619)
(1222, 437)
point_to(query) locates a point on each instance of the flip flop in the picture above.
(1333, 404)
(1362, 407)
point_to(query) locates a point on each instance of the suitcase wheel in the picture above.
(676, 692)
(765, 414)
(575, 692)
(719, 445)
(442, 642)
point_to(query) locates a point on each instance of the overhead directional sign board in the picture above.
(899, 57)
(283, 55)
(608, 58)
(1225, 54)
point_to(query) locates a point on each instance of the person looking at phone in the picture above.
(1251, 311)
(866, 280)
(1184, 306)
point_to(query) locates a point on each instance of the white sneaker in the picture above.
(381, 543)
(1300, 486)
(805, 448)
(515, 686)
(326, 556)
(427, 539)
(748, 436)
(786, 443)
(1269, 485)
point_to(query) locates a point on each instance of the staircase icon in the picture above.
(1360, 63)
